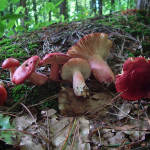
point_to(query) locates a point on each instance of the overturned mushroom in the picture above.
(134, 79)
(27, 71)
(77, 70)
(11, 64)
(95, 48)
(55, 59)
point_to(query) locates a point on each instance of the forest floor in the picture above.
(51, 116)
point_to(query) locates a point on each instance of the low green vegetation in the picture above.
(38, 94)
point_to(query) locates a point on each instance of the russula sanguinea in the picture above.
(77, 70)
(55, 59)
(3, 94)
(11, 64)
(27, 71)
(134, 79)
(95, 48)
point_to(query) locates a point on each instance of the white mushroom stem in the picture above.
(100, 69)
(38, 78)
(79, 86)
(54, 73)
(12, 70)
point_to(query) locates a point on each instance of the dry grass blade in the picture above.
(67, 135)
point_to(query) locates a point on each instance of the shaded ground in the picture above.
(130, 36)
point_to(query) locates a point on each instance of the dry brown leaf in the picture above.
(25, 121)
(27, 143)
(124, 110)
(70, 105)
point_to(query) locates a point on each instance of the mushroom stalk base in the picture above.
(79, 86)
(101, 70)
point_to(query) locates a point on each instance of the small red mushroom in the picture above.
(3, 94)
(27, 71)
(77, 70)
(134, 79)
(95, 48)
(11, 64)
(55, 59)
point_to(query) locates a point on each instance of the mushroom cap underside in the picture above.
(76, 64)
(92, 44)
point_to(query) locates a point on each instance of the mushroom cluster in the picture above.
(95, 48)
(88, 54)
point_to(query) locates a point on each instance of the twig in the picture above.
(47, 99)
(95, 109)
(36, 123)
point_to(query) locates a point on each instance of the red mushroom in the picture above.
(134, 79)
(3, 94)
(77, 70)
(55, 59)
(27, 71)
(95, 48)
(11, 64)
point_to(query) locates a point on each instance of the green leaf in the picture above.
(2, 26)
(49, 6)
(10, 24)
(10, 33)
(62, 17)
(14, 1)
(11, 16)
(20, 28)
(7, 136)
(3, 4)
(57, 4)
(19, 9)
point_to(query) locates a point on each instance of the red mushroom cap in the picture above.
(134, 79)
(3, 95)
(26, 70)
(58, 58)
(11, 64)
(55, 59)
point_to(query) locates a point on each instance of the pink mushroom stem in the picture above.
(12, 70)
(78, 82)
(100, 69)
(38, 78)
(54, 73)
